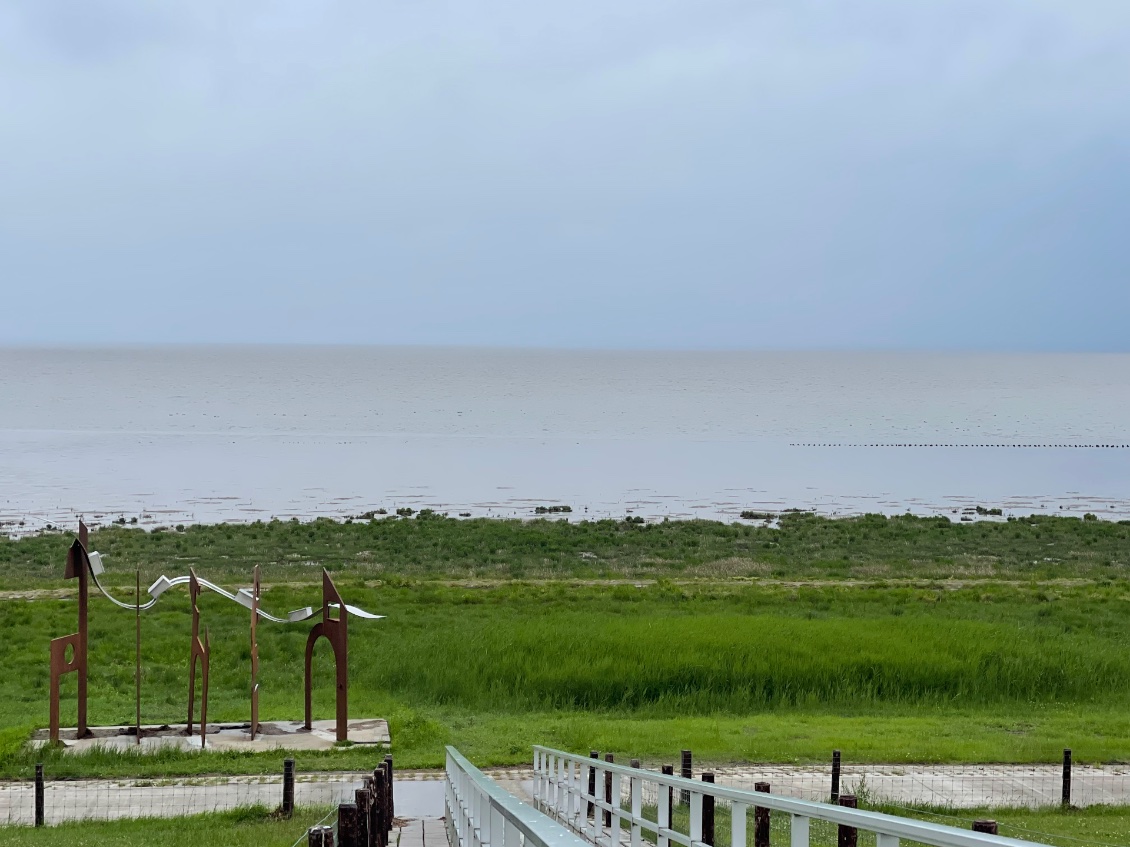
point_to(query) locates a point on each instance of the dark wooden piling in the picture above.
(708, 812)
(685, 772)
(1066, 788)
(761, 818)
(348, 825)
(986, 826)
(288, 788)
(847, 836)
(39, 792)
(835, 776)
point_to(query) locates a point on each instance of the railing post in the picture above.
(614, 830)
(708, 812)
(799, 831)
(593, 754)
(635, 789)
(761, 820)
(39, 791)
(1066, 793)
(835, 777)
(986, 826)
(686, 773)
(608, 791)
(664, 816)
(847, 836)
(738, 823)
(696, 814)
(883, 840)
(288, 788)
(348, 826)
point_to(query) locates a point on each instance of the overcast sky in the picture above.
(636, 173)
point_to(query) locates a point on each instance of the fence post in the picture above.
(708, 812)
(391, 790)
(761, 818)
(685, 773)
(988, 827)
(608, 791)
(314, 837)
(288, 788)
(39, 795)
(1066, 777)
(847, 836)
(593, 754)
(327, 836)
(348, 825)
(835, 776)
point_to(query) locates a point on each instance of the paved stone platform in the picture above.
(273, 735)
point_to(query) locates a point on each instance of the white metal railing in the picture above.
(480, 813)
(561, 789)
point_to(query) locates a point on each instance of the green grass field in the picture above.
(848, 634)
(251, 827)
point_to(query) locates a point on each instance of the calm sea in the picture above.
(172, 435)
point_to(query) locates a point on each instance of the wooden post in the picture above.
(361, 798)
(761, 819)
(327, 836)
(348, 825)
(380, 805)
(847, 836)
(669, 770)
(391, 790)
(593, 754)
(686, 773)
(1066, 799)
(608, 791)
(985, 826)
(137, 667)
(314, 837)
(288, 788)
(39, 795)
(835, 776)
(708, 812)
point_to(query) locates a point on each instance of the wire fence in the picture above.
(68, 800)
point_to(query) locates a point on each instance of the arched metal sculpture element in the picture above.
(199, 650)
(78, 567)
(336, 632)
(254, 655)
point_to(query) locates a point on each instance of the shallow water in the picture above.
(205, 434)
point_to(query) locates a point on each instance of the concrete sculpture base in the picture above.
(273, 735)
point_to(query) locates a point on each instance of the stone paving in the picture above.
(273, 735)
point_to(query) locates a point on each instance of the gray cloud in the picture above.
(774, 174)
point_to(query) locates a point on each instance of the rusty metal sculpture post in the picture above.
(199, 650)
(78, 567)
(254, 655)
(336, 632)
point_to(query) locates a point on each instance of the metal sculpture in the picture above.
(86, 566)
(78, 567)
(254, 654)
(336, 632)
(202, 651)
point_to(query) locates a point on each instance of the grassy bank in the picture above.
(735, 670)
(251, 827)
(802, 546)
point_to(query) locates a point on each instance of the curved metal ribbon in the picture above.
(242, 597)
